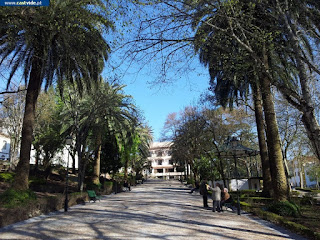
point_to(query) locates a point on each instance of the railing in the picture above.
(167, 174)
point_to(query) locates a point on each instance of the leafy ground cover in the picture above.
(44, 196)
(299, 215)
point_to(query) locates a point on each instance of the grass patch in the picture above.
(12, 198)
(289, 223)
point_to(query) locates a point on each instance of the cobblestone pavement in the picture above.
(153, 210)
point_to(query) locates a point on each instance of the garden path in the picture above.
(153, 210)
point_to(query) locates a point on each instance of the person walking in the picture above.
(204, 193)
(216, 197)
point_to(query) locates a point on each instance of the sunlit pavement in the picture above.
(153, 210)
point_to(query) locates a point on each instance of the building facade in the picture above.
(162, 166)
(301, 168)
(4, 147)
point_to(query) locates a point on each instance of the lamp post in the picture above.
(68, 143)
(234, 145)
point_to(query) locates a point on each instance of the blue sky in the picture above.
(156, 102)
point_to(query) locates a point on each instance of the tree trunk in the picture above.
(266, 174)
(126, 170)
(96, 167)
(73, 157)
(279, 181)
(37, 157)
(21, 179)
(248, 169)
(223, 176)
(82, 161)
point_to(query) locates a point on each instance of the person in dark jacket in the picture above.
(204, 192)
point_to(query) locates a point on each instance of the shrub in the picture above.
(92, 186)
(107, 184)
(11, 198)
(307, 200)
(295, 194)
(132, 180)
(7, 177)
(37, 180)
(190, 181)
(284, 208)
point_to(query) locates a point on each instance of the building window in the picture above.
(159, 162)
(160, 170)
(171, 170)
(170, 162)
(159, 154)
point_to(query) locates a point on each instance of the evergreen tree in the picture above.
(61, 42)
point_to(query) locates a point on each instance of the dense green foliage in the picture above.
(7, 176)
(284, 208)
(11, 198)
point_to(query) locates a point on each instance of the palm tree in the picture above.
(111, 112)
(145, 138)
(99, 115)
(231, 70)
(61, 42)
(300, 25)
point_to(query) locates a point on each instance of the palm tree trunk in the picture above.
(279, 180)
(96, 167)
(82, 161)
(21, 179)
(266, 174)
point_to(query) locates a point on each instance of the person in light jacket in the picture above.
(216, 197)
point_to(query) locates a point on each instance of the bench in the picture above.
(93, 196)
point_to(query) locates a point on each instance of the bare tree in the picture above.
(12, 110)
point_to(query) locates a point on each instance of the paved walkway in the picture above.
(153, 210)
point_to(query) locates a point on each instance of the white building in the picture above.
(4, 147)
(162, 166)
(62, 158)
(4, 152)
(300, 171)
